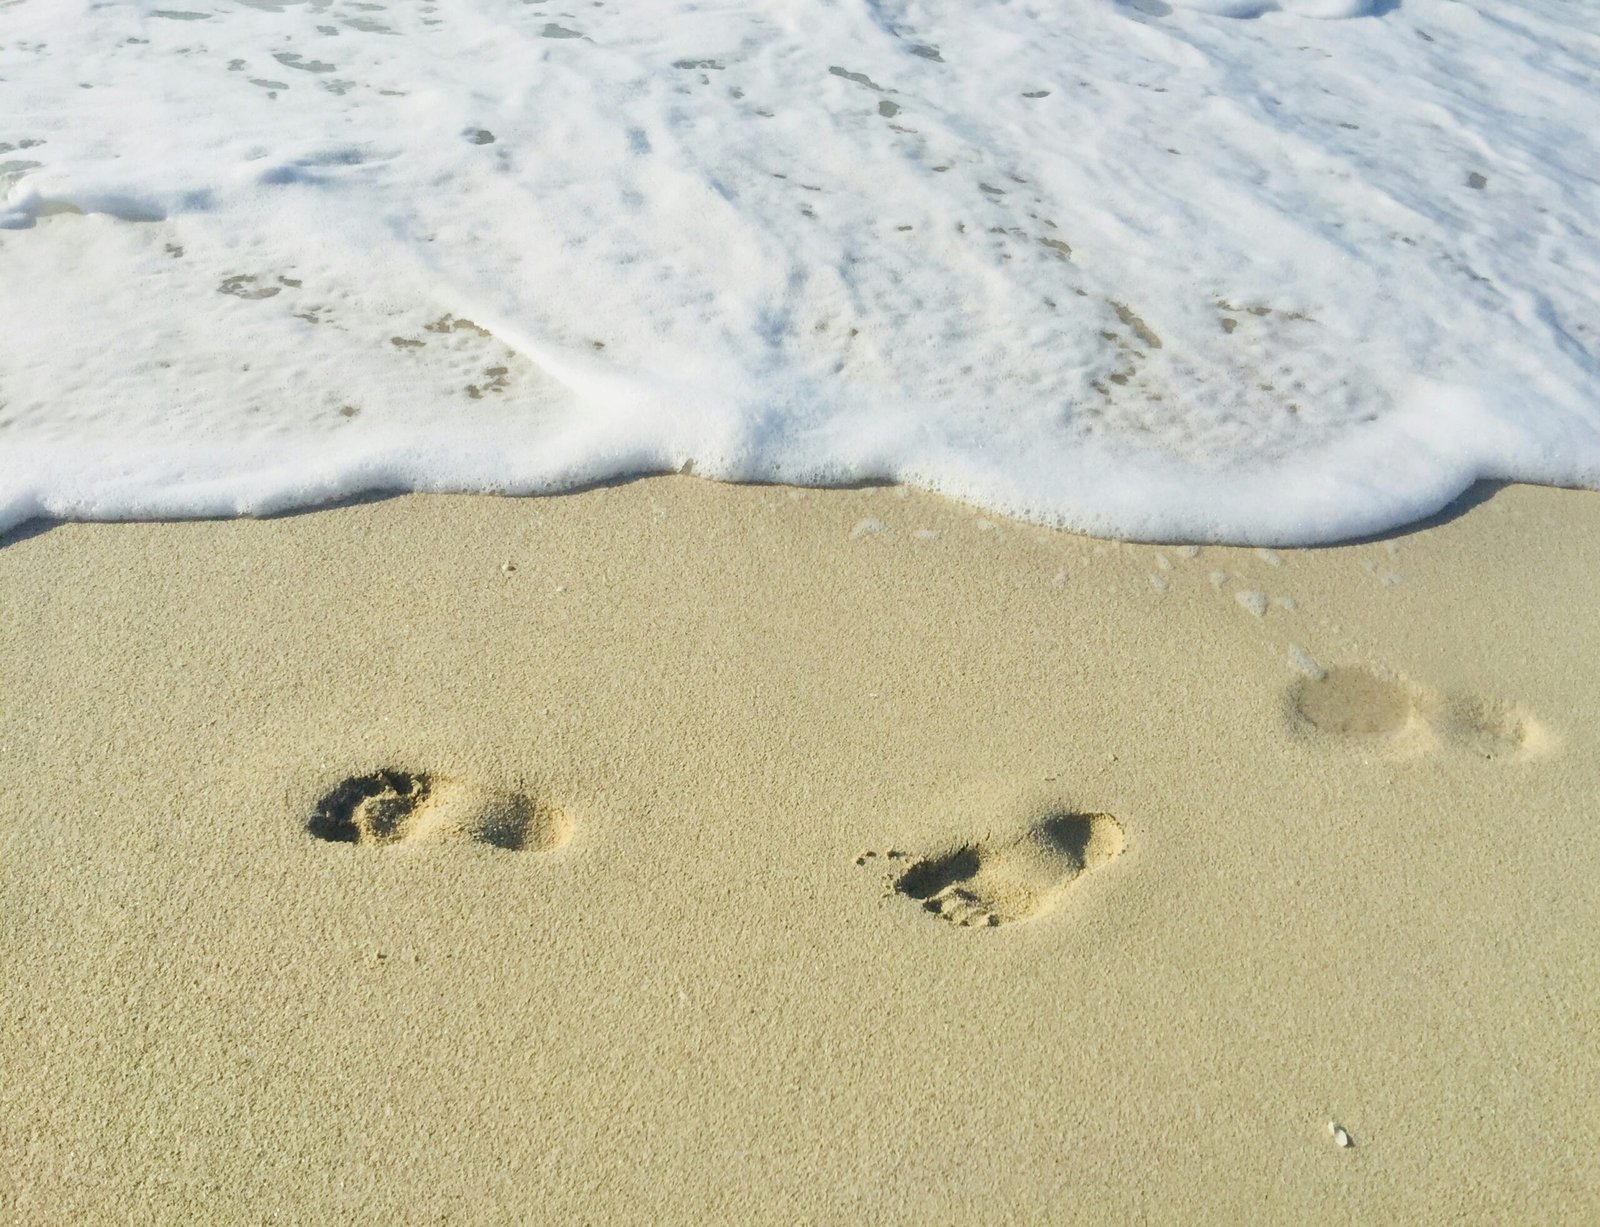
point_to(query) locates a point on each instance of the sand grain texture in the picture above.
(608, 945)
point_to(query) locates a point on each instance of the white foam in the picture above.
(1253, 602)
(1303, 662)
(1121, 265)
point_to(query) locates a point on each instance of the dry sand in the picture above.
(658, 914)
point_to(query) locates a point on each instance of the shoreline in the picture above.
(160, 510)
(1238, 858)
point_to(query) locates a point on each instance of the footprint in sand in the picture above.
(1349, 702)
(390, 807)
(1360, 706)
(997, 882)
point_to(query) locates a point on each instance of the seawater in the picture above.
(1268, 271)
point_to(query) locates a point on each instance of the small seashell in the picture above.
(1340, 1136)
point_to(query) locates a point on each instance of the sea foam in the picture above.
(1273, 272)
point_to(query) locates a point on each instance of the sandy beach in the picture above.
(684, 852)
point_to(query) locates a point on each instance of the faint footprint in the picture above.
(1493, 729)
(402, 807)
(997, 882)
(1361, 706)
(1352, 702)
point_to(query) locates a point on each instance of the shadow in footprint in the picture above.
(992, 883)
(392, 806)
(369, 809)
(926, 879)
